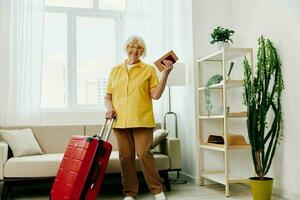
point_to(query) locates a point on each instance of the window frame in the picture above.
(72, 14)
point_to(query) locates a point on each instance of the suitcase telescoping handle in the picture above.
(111, 124)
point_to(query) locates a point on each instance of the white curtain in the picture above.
(21, 39)
(164, 25)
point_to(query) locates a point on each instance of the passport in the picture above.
(171, 56)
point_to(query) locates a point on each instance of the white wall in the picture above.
(182, 97)
(207, 14)
(280, 21)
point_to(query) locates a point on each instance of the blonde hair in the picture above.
(140, 41)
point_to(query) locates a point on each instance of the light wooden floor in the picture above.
(179, 192)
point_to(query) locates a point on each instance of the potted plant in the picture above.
(221, 36)
(262, 96)
(215, 79)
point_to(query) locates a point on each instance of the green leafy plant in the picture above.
(262, 93)
(221, 34)
(217, 78)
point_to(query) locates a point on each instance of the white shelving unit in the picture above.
(221, 59)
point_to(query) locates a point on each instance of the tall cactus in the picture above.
(262, 91)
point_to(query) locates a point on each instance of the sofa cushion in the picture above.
(33, 166)
(54, 139)
(22, 142)
(46, 165)
(158, 136)
(12, 128)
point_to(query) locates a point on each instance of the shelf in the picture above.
(230, 53)
(246, 146)
(220, 147)
(220, 139)
(220, 178)
(229, 84)
(211, 117)
(213, 57)
(237, 115)
(229, 115)
(216, 147)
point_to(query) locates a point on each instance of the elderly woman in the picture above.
(131, 87)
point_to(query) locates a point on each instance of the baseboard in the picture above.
(286, 194)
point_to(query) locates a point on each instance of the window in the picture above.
(112, 4)
(54, 79)
(95, 52)
(70, 3)
(101, 4)
(80, 40)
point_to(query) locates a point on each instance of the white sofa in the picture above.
(53, 141)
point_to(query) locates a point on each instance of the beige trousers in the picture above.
(137, 140)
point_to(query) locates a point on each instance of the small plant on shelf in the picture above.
(215, 79)
(221, 34)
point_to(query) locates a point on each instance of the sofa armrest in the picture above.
(3, 157)
(171, 147)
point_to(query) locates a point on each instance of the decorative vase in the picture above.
(261, 189)
(222, 44)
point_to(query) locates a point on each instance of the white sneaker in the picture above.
(129, 198)
(160, 196)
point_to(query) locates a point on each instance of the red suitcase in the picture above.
(82, 169)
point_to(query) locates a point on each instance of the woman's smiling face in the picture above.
(134, 51)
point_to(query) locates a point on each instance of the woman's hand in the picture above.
(110, 114)
(168, 67)
(158, 90)
(110, 109)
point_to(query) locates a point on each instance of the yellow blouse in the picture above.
(131, 97)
